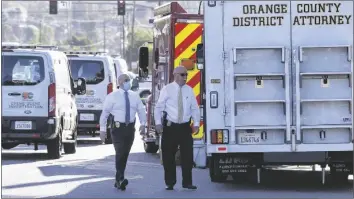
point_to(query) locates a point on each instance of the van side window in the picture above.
(62, 73)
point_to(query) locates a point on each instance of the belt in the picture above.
(117, 124)
(170, 123)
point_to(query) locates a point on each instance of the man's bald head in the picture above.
(179, 69)
(180, 75)
(123, 78)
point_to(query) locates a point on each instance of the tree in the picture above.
(141, 35)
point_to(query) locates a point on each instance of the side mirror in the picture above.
(80, 86)
(143, 57)
(200, 56)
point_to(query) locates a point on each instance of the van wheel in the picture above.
(70, 148)
(150, 147)
(54, 146)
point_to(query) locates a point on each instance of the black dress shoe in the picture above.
(189, 186)
(121, 185)
(169, 187)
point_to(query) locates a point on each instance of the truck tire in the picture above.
(9, 145)
(70, 148)
(151, 147)
(54, 146)
(212, 175)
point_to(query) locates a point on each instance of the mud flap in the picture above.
(236, 164)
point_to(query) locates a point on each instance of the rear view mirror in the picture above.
(143, 57)
(80, 86)
(200, 54)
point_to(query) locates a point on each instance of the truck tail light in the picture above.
(219, 136)
(214, 99)
(109, 88)
(51, 100)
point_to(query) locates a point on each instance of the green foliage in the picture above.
(47, 35)
(8, 34)
(32, 34)
(141, 36)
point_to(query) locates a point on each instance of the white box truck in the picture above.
(279, 86)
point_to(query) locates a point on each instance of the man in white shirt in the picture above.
(123, 104)
(178, 101)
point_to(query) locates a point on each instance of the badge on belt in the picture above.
(169, 123)
(117, 124)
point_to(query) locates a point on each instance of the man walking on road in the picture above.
(123, 104)
(178, 101)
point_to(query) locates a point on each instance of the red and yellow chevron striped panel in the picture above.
(187, 36)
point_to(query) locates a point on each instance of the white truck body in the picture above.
(279, 81)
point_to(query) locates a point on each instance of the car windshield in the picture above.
(92, 71)
(18, 70)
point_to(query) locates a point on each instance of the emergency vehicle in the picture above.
(176, 35)
(279, 86)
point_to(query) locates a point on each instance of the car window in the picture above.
(18, 70)
(91, 70)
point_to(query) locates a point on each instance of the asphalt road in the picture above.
(90, 173)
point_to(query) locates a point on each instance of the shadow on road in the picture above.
(290, 180)
(26, 154)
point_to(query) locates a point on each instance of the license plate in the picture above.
(87, 117)
(249, 138)
(23, 125)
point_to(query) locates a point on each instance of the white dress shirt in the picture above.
(115, 104)
(168, 101)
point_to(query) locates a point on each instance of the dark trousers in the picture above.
(172, 137)
(122, 138)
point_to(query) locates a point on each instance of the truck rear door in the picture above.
(257, 74)
(322, 41)
(288, 75)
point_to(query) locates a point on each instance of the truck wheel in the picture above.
(212, 175)
(70, 148)
(9, 145)
(54, 146)
(150, 147)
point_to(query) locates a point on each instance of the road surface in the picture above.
(90, 173)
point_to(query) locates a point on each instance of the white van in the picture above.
(99, 72)
(38, 99)
(120, 65)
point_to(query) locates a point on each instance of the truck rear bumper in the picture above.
(278, 148)
(94, 124)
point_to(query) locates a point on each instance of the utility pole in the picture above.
(104, 34)
(123, 54)
(132, 39)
